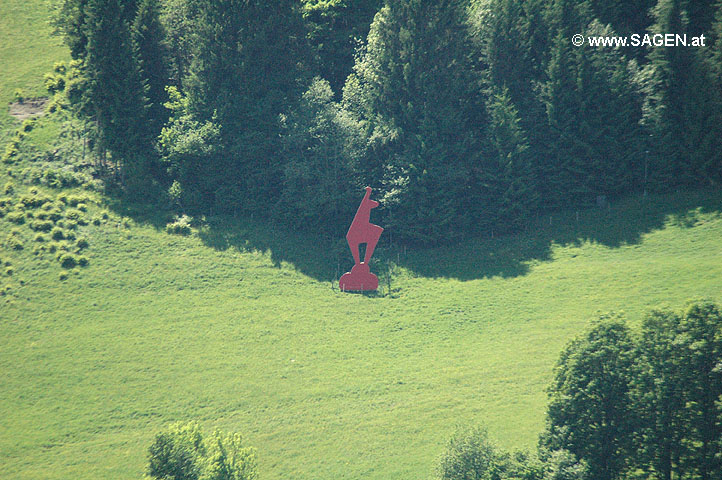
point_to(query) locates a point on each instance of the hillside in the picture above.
(238, 327)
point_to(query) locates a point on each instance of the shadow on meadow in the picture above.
(624, 222)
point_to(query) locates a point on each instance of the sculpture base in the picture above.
(359, 279)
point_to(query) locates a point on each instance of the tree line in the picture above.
(463, 115)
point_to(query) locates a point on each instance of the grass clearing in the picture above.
(242, 335)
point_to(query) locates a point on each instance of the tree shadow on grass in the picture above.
(622, 223)
(325, 259)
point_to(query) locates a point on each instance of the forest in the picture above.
(464, 118)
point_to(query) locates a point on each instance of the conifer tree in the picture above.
(251, 55)
(115, 92)
(418, 94)
(334, 28)
(513, 180)
(150, 51)
(677, 106)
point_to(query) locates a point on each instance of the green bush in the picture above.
(82, 243)
(82, 207)
(70, 235)
(34, 200)
(55, 214)
(83, 261)
(56, 246)
(181, 226)
(57, 234)
(11, 151)
(74, 200)
(16, 216)
(469, 455)
(40, 238)
(13, 241)
(9, 271)
(41, 225)
(28, 125)
(6, 202)
(71, 225)
(63, 276)
(73, 214)
(54, 83)
(9, 188)
(68, 260)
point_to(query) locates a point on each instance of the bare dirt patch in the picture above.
(28, 108)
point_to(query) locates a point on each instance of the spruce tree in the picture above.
(513, 180)
(418, 94)
(248, 67)
(334, 28)
(150, 51)
(677, 105)
(115, 91)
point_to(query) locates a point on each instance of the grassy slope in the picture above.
(239, 329)
(326, 385)
(27, 50)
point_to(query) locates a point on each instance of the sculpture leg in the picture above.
(374, 233)
(353, 245)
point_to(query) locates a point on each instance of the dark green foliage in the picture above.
(334, 30)
(70, 20)
(465, 117)
(562, 465)
(681, 109)
(701, 342)
(250, 56)
(660, 396)
(320, 140)
(652, 405)
(67, 260)
(590, 405)
(511, 176)
(189, 149)
(179, 21)
(152, 56)
(418, 95)
(469, 455)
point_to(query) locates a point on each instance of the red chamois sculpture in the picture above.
(361, 231)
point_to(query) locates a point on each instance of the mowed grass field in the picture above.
(238, 327)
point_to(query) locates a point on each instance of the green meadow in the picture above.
(239, 327)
